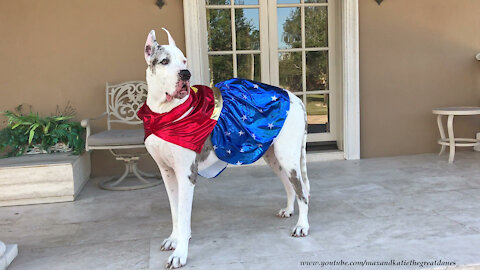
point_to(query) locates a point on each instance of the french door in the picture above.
(287, 43)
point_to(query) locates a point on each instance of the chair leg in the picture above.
(145, 173)
(123, 176)
(130, 170)
(137, 173)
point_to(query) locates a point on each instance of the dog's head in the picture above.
(167, 75)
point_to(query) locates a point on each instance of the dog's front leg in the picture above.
(186, 184)
(171, 186)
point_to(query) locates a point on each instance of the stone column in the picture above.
(7, 254)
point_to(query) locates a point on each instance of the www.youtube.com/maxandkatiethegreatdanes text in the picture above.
(420, 264)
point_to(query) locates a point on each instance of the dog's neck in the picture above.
(160, 105)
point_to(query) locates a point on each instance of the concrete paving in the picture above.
(409, 208)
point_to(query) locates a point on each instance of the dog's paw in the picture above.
(168, 244)
(285, 213)
(176, 261)
(300, 231)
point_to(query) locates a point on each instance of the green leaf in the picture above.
(30, 138)
(32, 133)
(45, 129)
(60, 118)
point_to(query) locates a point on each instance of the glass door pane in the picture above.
(219, 30)
(233, 39)
(223, 67)
(318, 113)
(290, 69)
(289, 27)
(249, 66)
(247, 29)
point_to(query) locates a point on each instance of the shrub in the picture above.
(27, 130)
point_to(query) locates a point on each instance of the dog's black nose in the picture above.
(184, 75)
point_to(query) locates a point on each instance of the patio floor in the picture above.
(401, 208)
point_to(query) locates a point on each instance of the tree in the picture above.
(316, 35)
(220, 39)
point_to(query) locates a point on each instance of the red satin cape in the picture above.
(192, 130)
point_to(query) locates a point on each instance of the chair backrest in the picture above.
(123, 102)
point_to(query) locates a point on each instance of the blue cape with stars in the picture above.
(252, 116)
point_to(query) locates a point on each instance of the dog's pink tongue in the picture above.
(169, 98)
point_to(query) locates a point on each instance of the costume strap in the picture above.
(218, 103)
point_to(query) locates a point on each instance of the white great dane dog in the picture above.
(168, 86)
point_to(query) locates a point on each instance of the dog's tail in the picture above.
(303, 156)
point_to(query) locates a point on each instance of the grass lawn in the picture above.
(316, 105)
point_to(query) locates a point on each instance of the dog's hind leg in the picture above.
(289, 149)
(272, 161)
(290, 172)
(301, 229)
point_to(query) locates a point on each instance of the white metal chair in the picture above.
(122, 103)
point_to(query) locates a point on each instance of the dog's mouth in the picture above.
(181, 90)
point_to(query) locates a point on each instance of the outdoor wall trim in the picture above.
(195, 39)
(351, 82)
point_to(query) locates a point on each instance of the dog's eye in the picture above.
(164, 61)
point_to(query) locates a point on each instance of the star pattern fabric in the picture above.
(252, 116)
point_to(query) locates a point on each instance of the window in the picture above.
(343, 79)
(287, 43)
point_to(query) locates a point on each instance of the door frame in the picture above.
(195, 39)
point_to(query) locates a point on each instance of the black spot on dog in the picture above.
(297, 185)
(202, 156)
(193, 172)
(148, 50)
(207, 148)
(155, 54)
(152, 66)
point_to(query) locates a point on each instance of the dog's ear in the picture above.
(150, 46)
(170, 38)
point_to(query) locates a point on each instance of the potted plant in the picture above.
(47, 177)
(32, 134)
